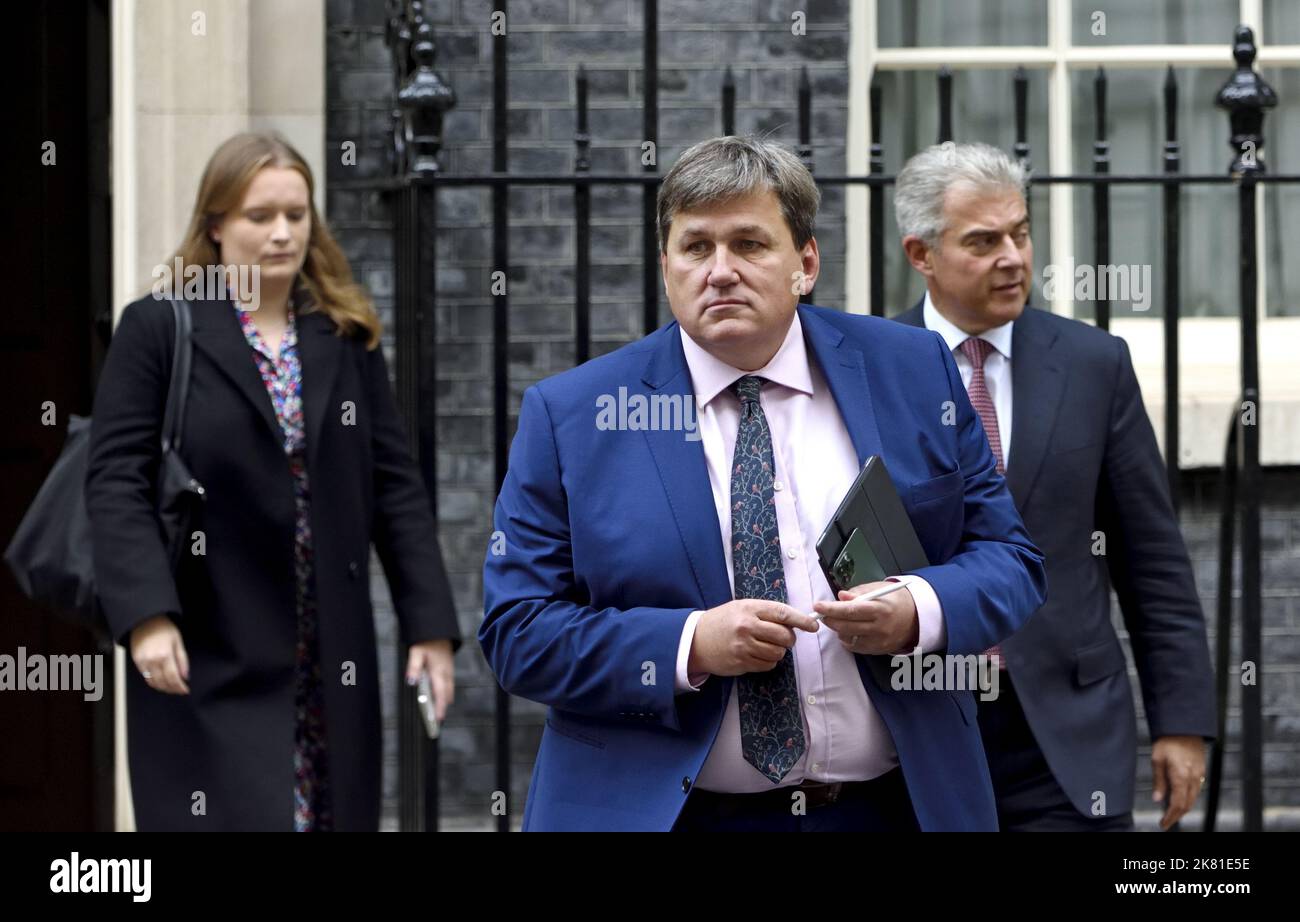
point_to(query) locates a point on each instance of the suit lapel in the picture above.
(321, 353)
(1037, 383)
(845, 369)
(685, 475)
(217, 332)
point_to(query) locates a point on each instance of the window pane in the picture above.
(1282, 202)
(983, 104)
(927, 23)
(1135, 110)
(983, 109)
(1153, 22)
(1135, 130)
(1281, 22)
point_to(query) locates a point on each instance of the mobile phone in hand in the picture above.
(424, 698)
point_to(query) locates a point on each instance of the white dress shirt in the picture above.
(997, 367)
(816, 464)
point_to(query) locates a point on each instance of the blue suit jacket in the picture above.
(611, 540)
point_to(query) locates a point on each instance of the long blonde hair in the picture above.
(325, 277)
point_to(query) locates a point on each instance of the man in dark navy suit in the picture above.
(1086, 475)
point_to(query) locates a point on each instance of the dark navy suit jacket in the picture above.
(1083, 460)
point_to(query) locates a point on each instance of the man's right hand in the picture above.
(745, 635)
(159, 654)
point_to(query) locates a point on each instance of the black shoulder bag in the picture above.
(51, 554)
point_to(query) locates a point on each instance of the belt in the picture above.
(816, 794)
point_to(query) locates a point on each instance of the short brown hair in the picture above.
(725, 168)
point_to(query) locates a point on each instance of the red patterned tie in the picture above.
(977, 350)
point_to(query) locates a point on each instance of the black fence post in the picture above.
(582, 228)
(1021, 147)
(877, 207)
(945, 103)
(1101, 202)
(501, 353)
(422, 100)
(805, 119)
(1172, 200)
(650, 131)
(728, 101)
(1245, 95)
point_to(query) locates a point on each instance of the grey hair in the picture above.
(925, 179)
(721, 169)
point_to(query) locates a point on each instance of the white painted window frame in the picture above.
(1209, 375)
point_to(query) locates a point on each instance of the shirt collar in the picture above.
(999, 337)
(711, 376)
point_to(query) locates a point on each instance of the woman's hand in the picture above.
(159, 654)
(434, 657)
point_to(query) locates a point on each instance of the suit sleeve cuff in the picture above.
(933, 636)
(684, 681)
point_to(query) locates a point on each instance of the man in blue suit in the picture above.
(653, 576)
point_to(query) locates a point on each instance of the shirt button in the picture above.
(812, 699)
(817, 766)
(778, 486)
(792, 553)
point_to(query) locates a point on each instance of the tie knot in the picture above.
(747, 388)
(977, 350)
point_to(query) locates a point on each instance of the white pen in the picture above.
(868, 597)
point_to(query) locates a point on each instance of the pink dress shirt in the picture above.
(815, 466)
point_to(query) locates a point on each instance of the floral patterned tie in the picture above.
(771, 726)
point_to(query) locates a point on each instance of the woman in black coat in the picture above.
(255, 701)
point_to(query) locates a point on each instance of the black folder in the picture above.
(870, 537)
(872, 507)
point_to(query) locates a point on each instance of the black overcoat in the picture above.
(222, 757)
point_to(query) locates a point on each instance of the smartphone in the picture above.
(424, 698)
(855, 564)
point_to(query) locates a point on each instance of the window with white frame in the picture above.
(1062, 43)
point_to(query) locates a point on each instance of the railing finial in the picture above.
(1246, 95)
(423, 99)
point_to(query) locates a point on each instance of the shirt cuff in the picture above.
(933, 635)
(684, 681)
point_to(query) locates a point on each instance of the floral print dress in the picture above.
(282, 375)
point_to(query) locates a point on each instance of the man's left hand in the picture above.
(886, 625)
(1178, 772)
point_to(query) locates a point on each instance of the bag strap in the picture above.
(178, 387)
